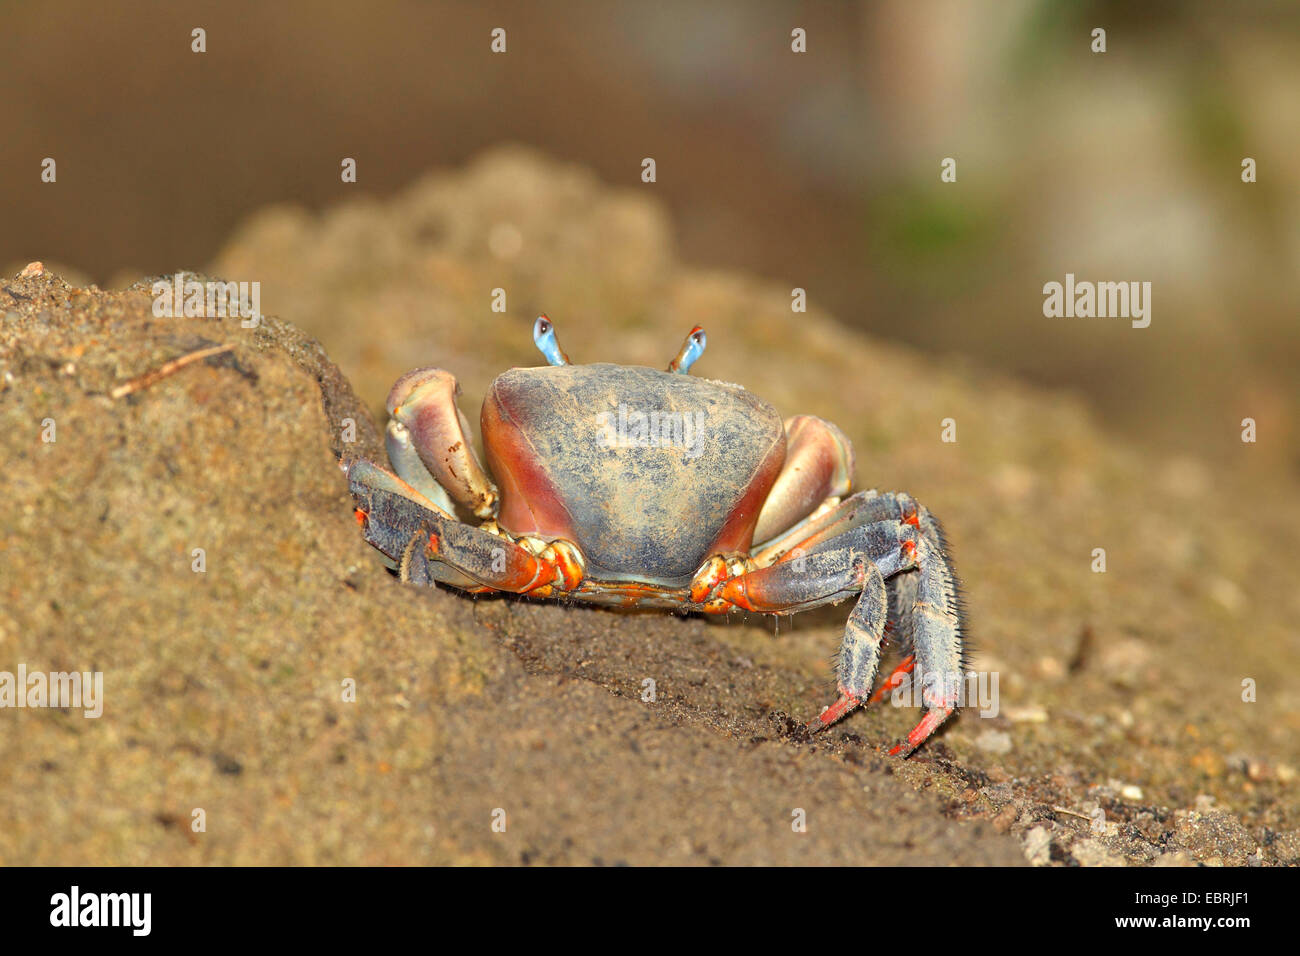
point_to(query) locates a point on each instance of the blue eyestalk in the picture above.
(547, 341)
(692, 349)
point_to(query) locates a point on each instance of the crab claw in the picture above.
(425, 419)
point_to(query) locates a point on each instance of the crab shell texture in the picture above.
(649, 473)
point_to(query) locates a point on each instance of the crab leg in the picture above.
(931, 623)
(937, 655)
(902, 598)
(399, 547)
(832, 519)
(400, 523)
(895, 680)
(936, 637)
(831, 573)
(903, 537)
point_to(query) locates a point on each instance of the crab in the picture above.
(634, 487)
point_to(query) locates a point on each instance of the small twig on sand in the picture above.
(1073, 813)
(169, 368)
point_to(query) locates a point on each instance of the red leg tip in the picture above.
(834, 712)
(896, 679)
(921, 732)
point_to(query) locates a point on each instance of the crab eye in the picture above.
(692, 349)
(547, 341)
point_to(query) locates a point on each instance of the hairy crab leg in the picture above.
(908, 540)
(935, 632)
(936, 636)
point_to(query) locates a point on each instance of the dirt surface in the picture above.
(1122, 734)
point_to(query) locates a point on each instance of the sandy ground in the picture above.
(1122, 735)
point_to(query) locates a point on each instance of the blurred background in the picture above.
(819, 170)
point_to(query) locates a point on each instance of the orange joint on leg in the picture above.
(566, 561)
(736, 592)
(361, 518)
(525, 574)
(556, 567)
(712, 573)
